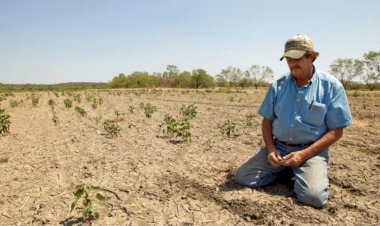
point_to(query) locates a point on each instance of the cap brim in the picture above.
(295, 54)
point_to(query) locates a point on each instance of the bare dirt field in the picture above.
(151, 179)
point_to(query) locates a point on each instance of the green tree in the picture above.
(371, 75)
(346, 70)
(231, 75)
(169, 75)
(140, 80)
(183, 80)
(200, 79)
(258, 74)
(118, 81)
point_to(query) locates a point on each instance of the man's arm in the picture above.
(273, 156)
(299, 157)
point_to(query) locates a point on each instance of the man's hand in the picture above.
(292, 159)
(274, 158)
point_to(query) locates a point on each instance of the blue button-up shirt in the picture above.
(302, 115)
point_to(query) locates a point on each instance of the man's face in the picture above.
(300, 68)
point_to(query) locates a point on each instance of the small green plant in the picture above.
(84, 191)
(81, 111)
(189, 111)
(35, 100)
(176, 127)
(112, 129)
(228, 128)
(4, 122)
(51, 103)
(169, 126)
(149, 110)
(183, 129)
(68, 103)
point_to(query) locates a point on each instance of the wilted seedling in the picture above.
(77, 97)
(83, 191)
(94, 104)
(210, 143)
(117, 113)
(3, 160)
(100, 101)
(13, 103)
(131, 109)
(4, 122)
(55, 119)
(228, 128)
(89, 97)
(81, 111)
(249, 119)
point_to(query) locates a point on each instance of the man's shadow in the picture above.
(282, 186)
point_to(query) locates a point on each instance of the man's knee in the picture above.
(242, 177)
(316, 198)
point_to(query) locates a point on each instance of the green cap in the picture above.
(297, 46)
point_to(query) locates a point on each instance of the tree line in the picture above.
(229, 77)
(366, 70)
(352, 73)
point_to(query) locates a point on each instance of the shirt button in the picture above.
(292, 125)
(290, 138)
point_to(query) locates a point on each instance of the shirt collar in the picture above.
(313, 78)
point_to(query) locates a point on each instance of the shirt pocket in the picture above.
(315, 115)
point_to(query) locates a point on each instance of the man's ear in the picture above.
(314, 55)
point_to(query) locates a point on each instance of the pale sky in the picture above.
(55, 41)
